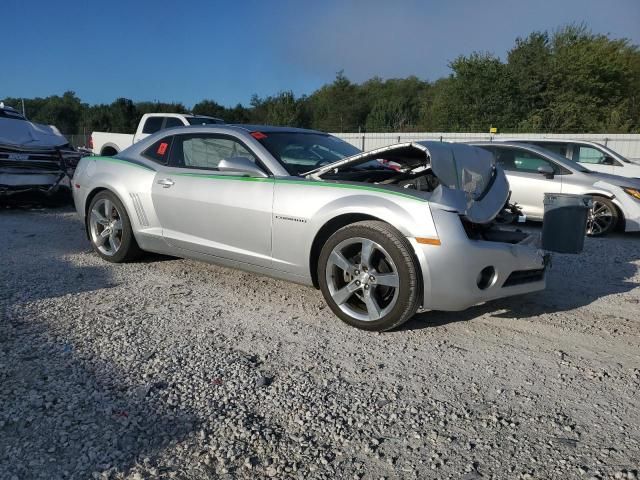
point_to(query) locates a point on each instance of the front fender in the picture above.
(300, 213)
(383, 209)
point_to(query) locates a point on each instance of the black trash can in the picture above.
(565, 222)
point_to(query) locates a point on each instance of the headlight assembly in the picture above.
(634, 192)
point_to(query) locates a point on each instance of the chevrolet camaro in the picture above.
(382, 234)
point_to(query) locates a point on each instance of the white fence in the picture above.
(627, 145)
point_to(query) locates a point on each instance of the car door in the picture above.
(205, 210)
(527, 184)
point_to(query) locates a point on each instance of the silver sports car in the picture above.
(382, 233)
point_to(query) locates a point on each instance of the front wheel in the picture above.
(603, 217)
(368, 276)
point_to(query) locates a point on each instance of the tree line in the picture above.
(569, 80)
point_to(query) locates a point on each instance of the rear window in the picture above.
(173, 122)
(152, 125)
(159, 151)
(302, 152)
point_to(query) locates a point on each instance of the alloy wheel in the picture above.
(105, 226)
(600, 218)
(362, 279)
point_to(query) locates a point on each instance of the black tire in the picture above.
(129, 249)
(401, 253)
(601, 226)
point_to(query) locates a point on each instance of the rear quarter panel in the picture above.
(123, 179)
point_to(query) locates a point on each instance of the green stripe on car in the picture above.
(241, 178)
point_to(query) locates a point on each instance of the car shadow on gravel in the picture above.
(608, 266)
(65, 416)
(64, 412)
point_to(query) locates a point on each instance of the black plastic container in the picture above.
(565, 222)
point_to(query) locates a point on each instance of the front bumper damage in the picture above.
(463, 272)
(43, 171)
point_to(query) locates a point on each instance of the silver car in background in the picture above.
(533, 171)
(380, 242)
(591, 155)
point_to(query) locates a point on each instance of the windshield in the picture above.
(301, 152)
(614, 154)
(203, 120)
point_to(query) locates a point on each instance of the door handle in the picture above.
(165, 182)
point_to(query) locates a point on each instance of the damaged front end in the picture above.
(468, 195)
(458, 178)
(44, 171)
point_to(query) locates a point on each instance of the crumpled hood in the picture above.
(475, 185)
(23, 133)
(470, 181)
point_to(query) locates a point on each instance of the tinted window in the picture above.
(206, 151)
(589, 155)
(301, 152)
(517, 160)
(559, 148)
(159, 151)
(173, 122)
(152, 125)
(203, 120)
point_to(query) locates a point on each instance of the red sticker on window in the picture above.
(162, 148)
(258, 135)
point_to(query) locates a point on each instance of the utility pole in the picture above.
(23, 114)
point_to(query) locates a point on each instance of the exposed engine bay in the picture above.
(407, 167)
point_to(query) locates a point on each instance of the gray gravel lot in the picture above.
(176, 369)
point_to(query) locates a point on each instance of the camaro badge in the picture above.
(291, 219)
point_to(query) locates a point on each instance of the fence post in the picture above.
(362, 143)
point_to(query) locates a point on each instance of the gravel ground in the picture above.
(171, 368)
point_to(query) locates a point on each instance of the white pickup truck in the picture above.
(107, 143)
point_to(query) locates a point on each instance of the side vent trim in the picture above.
(137, 204)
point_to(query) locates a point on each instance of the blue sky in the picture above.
(226, 51)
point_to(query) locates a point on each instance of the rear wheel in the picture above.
(603, 217)
(110, 229)
(368, 276)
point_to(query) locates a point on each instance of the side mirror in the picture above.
(241, 165)
(607, 160)
(546, 170)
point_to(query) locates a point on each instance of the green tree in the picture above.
(476, 96)
(280, 109)
(210, 108)
(338, 107)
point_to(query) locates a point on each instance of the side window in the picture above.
(159, 151)
(152, 125)
(589, 155)
(559, 148)
(173, 122)
(516, 160)
(205, 151)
